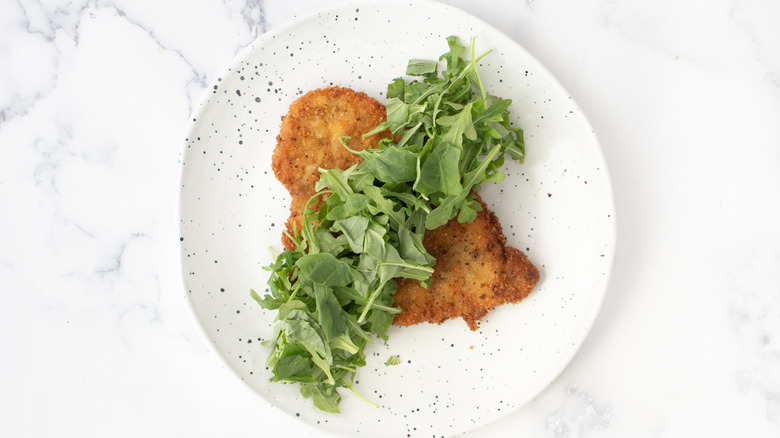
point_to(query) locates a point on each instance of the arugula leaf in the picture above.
(382, 205)
(289, 306)
(397, 114)
(494, 113)
(329, 243)
(460, 125)
(294, 368)
(454, 61)
(325, 269)
(447, 209)
(440, 171)
(400, 114)
(354, 230)
(298, 328)
(410, 247)
(334, 179)
(329, 313)
(349, 205)
(325, 397)
(396, 89)
(421, 67)
(391, 165)
(469, 210)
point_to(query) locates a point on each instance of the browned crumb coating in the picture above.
(475, 271)
(309, 140)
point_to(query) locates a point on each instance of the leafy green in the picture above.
(354, 229)
(334, 292)
(460, 125)
(418, 67)
(440, 172)
(324, 269)
(391, 165)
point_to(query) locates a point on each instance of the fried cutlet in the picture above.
(475, 270)
(309, 140)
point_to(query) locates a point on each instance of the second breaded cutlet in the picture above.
(475, 270)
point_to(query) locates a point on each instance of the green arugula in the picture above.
(334, 293)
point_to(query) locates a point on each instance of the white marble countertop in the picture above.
(95, 335)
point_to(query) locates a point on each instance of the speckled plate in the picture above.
(557, 207)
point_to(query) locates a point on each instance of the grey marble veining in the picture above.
(96, 335)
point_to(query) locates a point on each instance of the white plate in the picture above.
(557, 208)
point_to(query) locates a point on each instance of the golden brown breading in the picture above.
(475, 270)
(309, 140)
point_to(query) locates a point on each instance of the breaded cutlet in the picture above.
(475, 270)
(309, 140)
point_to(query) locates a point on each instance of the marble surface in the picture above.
(96, 338)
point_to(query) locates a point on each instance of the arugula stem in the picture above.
(474, 70)
(359, 331)
(407, 135)
(309, 226)
(342, 367)
(381, 127)
(343, 140)
(294, 292)
(370, 302)
(406, 265)
(354, 390)
(428, 92)
(388, 309)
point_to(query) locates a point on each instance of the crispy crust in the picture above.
(309, 140)
(475, 270)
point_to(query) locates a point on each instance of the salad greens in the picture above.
(334, 291)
